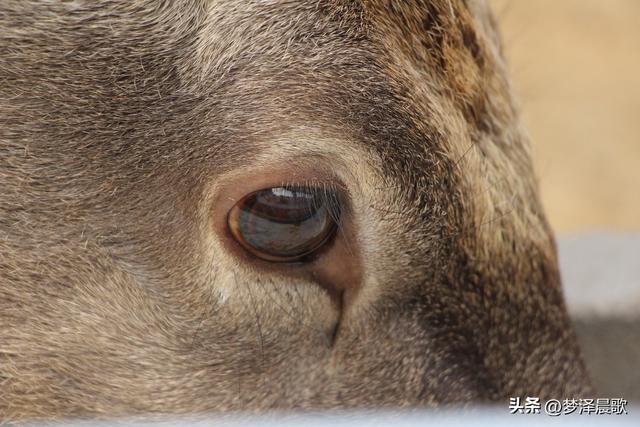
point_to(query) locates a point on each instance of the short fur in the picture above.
(119, 123)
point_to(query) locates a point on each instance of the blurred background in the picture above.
(575, 65)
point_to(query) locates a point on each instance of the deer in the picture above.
(213, 206)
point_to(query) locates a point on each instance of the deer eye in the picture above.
(285, 224)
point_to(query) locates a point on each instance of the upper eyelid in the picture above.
(330, 183)
(229, 188)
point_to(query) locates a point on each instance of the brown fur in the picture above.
(125, 125)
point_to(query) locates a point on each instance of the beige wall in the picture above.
(576, 68)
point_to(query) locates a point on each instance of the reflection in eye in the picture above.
(285, 224)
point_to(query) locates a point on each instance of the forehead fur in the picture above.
(401, 77)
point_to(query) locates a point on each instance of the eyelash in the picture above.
(327, 193)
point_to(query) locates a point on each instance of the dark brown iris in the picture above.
(283, 224)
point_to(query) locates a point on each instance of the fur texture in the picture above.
(125, 125)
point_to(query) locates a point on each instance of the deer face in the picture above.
(268, 204)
